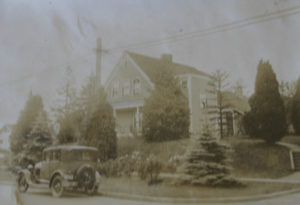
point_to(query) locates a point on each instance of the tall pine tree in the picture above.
(66, 109)
(20, 135)
(296, 109)
(266, 120)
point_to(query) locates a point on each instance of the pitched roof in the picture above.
(150, 65)
(234, 101)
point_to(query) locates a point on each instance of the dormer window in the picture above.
(126, 88)
(136, 86)
(115, 89)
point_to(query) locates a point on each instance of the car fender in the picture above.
(55, 173)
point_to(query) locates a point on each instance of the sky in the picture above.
(39, 39)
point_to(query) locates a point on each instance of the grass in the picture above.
(291, 139)
(257, 159)
(251, 157)
(166, 189)
(164, 150)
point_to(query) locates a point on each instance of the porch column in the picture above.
(233, 123)
(137, 119)
(114, 113)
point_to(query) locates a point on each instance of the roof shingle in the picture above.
(151, 65)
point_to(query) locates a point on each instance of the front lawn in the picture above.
(257, 159)
(135, 186)
(291, 140)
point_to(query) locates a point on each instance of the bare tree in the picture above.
(220, 85)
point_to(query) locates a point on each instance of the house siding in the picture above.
(200, 87)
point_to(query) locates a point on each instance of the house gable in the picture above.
(123, 78)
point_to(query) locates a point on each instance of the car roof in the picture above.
(70, 147)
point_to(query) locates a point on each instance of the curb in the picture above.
(18, 200)
(197, 200)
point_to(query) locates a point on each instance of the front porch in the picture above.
(128, 121)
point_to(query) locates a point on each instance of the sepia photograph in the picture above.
(149, 102)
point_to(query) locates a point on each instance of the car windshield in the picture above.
(81, 155)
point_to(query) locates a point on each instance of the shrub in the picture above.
(123, 166)
(173, 163)
(150, 169)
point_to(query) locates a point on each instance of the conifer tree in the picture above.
(21, 131)
(266, 119)
(296, 109)
(66, 109)
(207, 161)
(98, 123)
(166, 114)
(40, 137)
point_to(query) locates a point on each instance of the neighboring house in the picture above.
(235, 107)
(132, 80)
(5, 143)
(4, 137)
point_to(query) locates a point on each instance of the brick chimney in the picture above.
(167, 57)
(98, 62)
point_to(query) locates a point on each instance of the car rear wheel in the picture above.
(22, 183)
(86, 179)
(57, 188)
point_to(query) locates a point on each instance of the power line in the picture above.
(190, 35)
(216, 29)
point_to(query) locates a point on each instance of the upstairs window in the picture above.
(115, 89)
(126, 88)
(136, 86)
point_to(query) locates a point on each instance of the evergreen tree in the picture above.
(296, 109)
(166, 112)
(40, 137)
(21, 131)
(98, 123)
(287, 91)
(266, 120)
(101, 131)
(207, 161)
(220, 85)
(66, 110)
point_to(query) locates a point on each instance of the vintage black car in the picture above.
(64, 167)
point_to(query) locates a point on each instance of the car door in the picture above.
(55, 161)
(44, 172)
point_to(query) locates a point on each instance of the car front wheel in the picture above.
(57, 188)
(22, 183)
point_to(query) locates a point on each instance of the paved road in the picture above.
(44, 197)
(7, 196)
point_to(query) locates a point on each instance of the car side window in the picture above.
(47, 156)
